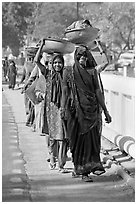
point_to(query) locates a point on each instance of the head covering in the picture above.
(81, 76)
(83, 50)
(56, 88)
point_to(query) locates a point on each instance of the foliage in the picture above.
(119, 32)
(116, 21)
(52, 18)
(14, 24)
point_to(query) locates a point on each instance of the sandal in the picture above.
(86, 178)
(52, 166)
(62, 170)
(98, 172)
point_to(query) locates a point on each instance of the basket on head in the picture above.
(81, 32)
(58, 45)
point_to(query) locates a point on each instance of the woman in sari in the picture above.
(84, 100)
(53, 98)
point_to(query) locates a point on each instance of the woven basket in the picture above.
(82, 36)
(53, 45)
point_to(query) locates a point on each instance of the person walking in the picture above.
(81, 102)
(27, 69)
(53, 108)
(29, 107)
(12, 73)
(5, 66)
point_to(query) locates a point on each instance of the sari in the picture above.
(84, 122)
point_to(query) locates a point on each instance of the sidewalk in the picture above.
(50, 185)
(15, 187)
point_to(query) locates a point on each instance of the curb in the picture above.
(118, 169)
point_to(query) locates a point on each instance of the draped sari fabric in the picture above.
(85, 124)
(56, 88)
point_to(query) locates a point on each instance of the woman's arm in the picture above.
(100, 99)
(38, 58)
(101, 67)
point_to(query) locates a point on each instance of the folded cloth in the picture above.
(79, 25)
(38, 85)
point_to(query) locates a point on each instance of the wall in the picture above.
(120, 101)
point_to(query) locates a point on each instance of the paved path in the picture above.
(40, 183)
(14, 178)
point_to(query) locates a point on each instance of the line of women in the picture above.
(73, 104)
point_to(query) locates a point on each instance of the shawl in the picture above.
(56, 85)
(87, 110)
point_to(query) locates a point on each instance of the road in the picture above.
(26, 174)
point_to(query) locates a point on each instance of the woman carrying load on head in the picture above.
(53, 107)
(83, 97)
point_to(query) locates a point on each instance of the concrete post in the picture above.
(125, 71)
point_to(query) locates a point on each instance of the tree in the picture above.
(14, 24)
(116, 21)
(52, 18)
(118, 30)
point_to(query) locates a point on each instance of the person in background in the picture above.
(12, 73)
(40, 108)
(53, 107)
(40, 122)
(5, 66)
(29, 107)
(22, 59)
(81, 102)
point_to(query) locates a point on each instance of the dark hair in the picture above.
(62, 59)
(58, 56)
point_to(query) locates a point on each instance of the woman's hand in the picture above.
(108, 118)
